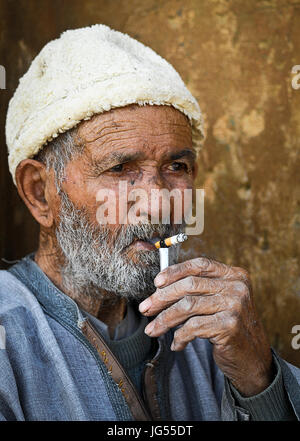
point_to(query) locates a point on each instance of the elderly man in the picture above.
(94, 330)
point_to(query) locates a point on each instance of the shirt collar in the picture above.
(53, 301)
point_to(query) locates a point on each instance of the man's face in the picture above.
(147, 148)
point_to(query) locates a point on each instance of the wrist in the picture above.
(257, 382)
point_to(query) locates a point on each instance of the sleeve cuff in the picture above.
(272, 404)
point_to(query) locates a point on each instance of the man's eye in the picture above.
(176, 166)
(117, 168)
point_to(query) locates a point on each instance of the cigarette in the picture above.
(163, 258)
(163, 247)
(169, 241)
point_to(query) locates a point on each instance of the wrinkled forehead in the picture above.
(157, 120)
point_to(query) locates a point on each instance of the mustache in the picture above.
(125, 235)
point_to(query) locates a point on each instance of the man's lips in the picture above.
(142, 245)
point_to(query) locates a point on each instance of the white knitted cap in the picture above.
(85, 72)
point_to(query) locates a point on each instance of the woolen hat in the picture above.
(85, 72)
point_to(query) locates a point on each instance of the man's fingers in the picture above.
(202, 327)
(201, 266)
(163, 298)
(185, 308)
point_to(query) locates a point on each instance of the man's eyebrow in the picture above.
(183, 153)
(121, 158)
(113, 158)
(126, 157)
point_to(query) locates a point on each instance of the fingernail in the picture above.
(173, 346)
(149, 328)
(159, 280)
(145, 305)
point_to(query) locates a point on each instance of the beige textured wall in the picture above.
(236, 58)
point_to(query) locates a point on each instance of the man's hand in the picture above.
(212, 300)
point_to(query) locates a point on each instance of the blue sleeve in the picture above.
(279, 402)
(10, 407)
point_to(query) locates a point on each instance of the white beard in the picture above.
(96, 263)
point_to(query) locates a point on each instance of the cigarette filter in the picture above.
(169, 241)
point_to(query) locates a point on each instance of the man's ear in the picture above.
(31, 179)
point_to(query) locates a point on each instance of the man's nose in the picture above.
(151, 199)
